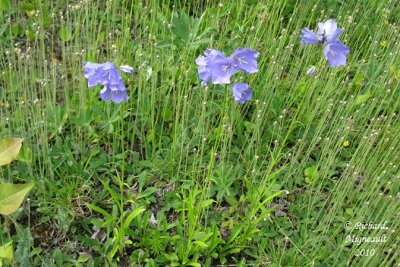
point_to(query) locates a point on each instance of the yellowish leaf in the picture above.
(12, 195)
(9, 149)
(7, 252)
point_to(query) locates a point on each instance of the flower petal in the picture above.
(104, 74)
(328, 27)
(105, 93)
(201, 60)
(119, 96)
(212, 53)
(336, 53)
(245, 59)
(308, 36)
(334, 36)
(115, 95)
(204, 74)
(221, 70)
(206, 64)
(117, 85)
(90, 73)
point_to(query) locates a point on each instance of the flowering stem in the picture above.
(122, 140)
(121, 180)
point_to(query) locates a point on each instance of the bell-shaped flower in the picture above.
(106, 74)
(242, 92)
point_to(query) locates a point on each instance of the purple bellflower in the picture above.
(214, 66)
(241, 92)
(106, 74)
(328, 33)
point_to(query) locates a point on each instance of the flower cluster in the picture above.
(107, 74)
(328, 33)
(217, 68)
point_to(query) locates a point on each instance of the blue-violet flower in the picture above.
(241, 92)
(106, 74)
(328, 33)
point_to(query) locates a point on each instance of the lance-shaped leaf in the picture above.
(25, 154)
(9, 149)
(12, 195)
(7, 252)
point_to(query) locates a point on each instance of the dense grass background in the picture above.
(211, 181)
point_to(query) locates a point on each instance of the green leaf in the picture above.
(234, 251)
(65, 34)
(311, 173)
(132, 216)
(58, 256)
(236, 231)
(180, 26)
(148, 192)
(249, 126)
(168, 114)
(166, 43)
(17, 29)
(84, 258)
(113, 194)
(358, 78)
(207, 203)
(171, 257)
(9, 149)
(150, 136)
(222, 259)
(362, 98)
(194, 264)
(25, 154)
(27, 6)
(7, 252)
(5, 4)
(100, 210)
(100, 37)
(12, 195)
(200, 244)
(349, 211)
(269, 198)
(144, 178)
